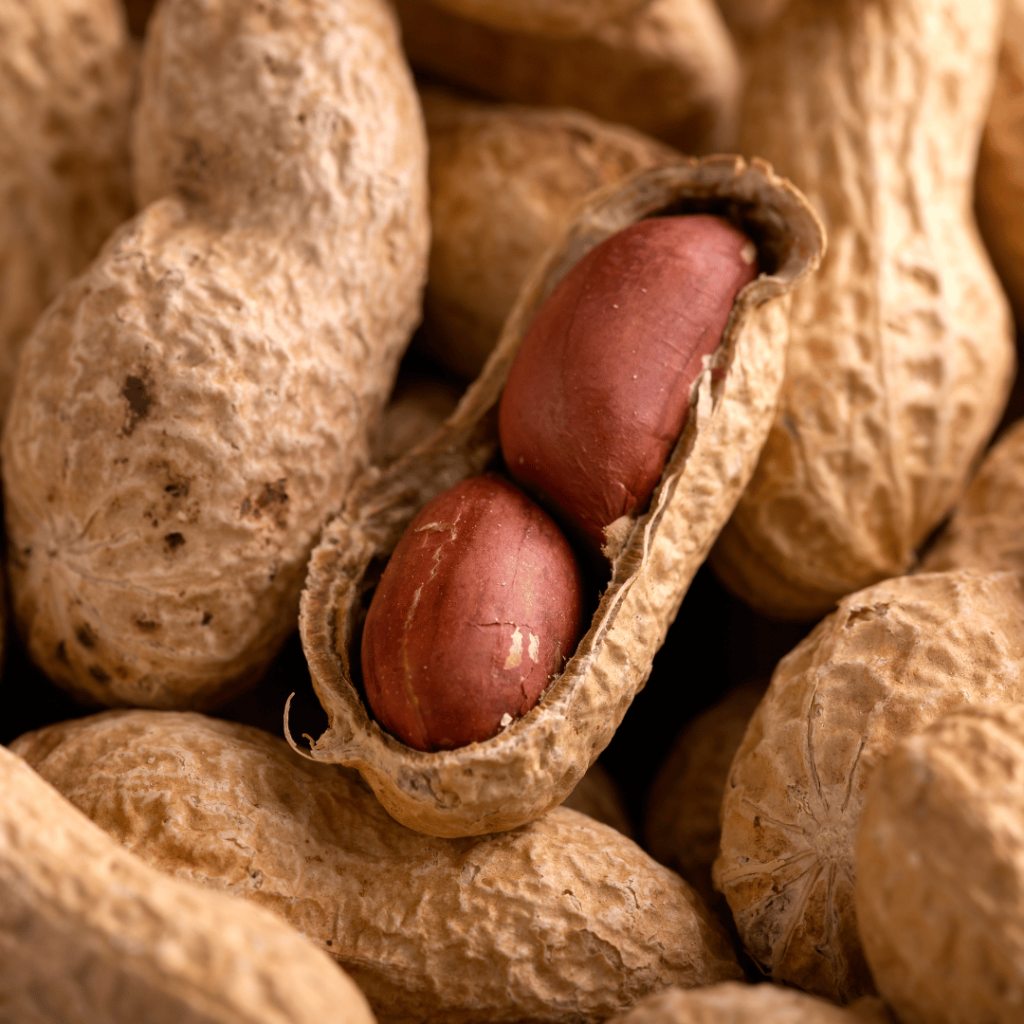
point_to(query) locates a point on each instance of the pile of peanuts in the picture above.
(406, 403)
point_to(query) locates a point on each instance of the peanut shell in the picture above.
(190, 411)
(531, 766)
(666, 67)
(597, 796)
(901, 354)
(66, 81)
(552, 17)
(91, 935)
(940, 871)
(986, 531)
(889, 661)
(736, 1003)
(563, 920)
(504, 181)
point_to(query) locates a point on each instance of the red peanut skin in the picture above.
(480, 604)
(600, 388)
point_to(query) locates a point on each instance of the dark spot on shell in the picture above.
(330, 942)
(174, 540)
(146, 625)
(86, 635)
(136, 394)
(62, 653)
(99, 674)
(179, 489)
(207, 618)
(273, 500)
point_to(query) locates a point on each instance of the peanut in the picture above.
(534, 763)
(999, 182)
(668, 67)
(597, 796)
(940, 870)
(65, 94)
(901, 354)
(602, 382)
(90, 935)
(504, 181)
(479, 607)
(190, 410)
(888, 662)
(563, 920)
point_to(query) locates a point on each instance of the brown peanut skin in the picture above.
(479, 606)
(601, 386)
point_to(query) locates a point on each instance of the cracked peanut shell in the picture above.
(89, 934)
(901, 354)
(940, 871)
(564, 920)
(889, 661)
(66, 84)
(514, 777)
(191, 409)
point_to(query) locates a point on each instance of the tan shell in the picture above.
(987, 529)
(532, 765)
(668, 67)
(749, 17)
(597, 796)
(563, 920)
(891, 660)
(940, 871)
(91, 935)
(416, 408)
(901, 355)
(504, 181)
(550, 17)
(999, 184)
(66, 71)
(736, 1003)
(681, 827)
(190, 411)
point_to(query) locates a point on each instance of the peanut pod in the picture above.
(667, 67)
(66, 81)
(564, 920)
(889, 661)
(531, 766)
(89, 934)
(901, 355)
(190, 411)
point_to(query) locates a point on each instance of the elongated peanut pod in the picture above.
(504, 181)
(563, 920)
(66, 73)
(666, 67)
(192, 409)
(89, 934)
(888, 662)
(901, 353)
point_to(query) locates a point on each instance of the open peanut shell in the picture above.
(533, 764)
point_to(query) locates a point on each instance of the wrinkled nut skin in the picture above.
(66, 84)
(190, 410)
(940, 871)
(504, 181)
(479, 606)
(562, 921)
(736, 1003)
(89, 934)
(602, 383)
(887, 663)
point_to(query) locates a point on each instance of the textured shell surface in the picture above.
(554, 17)
(66, 70)
(666, 67)
(192, 408)
(901, 353)
(532, 765)
(562, 920)
(89, 934)
(735, 1003)
(999, 183)
(889, 661)
(504, 181)
(940, 871)
(986, 531)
